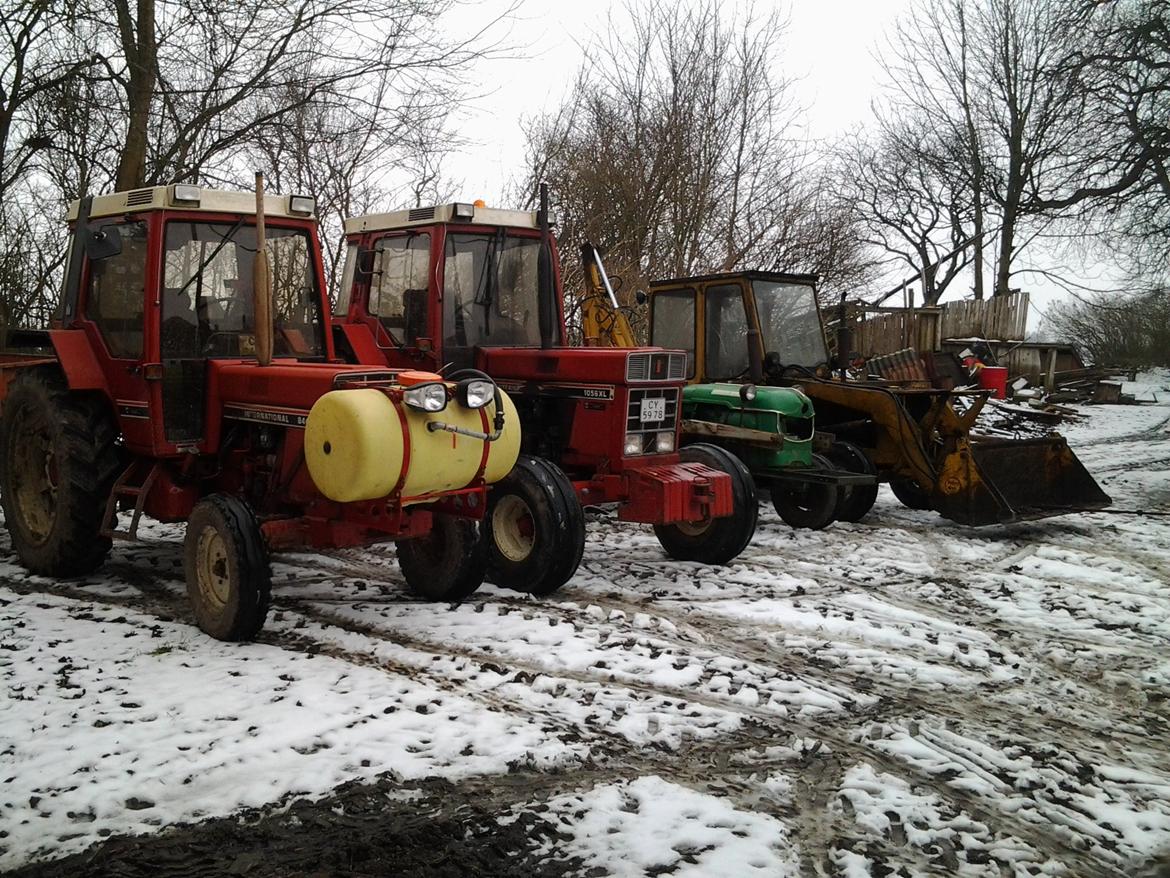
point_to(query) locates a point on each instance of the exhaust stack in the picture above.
(262, 283)
(546, 288)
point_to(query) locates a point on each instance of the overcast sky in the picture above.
(828, 51)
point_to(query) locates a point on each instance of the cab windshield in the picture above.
(490, 293)
(207, 292)
(790, 323)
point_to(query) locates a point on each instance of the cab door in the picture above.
(400, 309)
(725, 331)
(117, 291)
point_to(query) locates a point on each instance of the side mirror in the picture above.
(102, 243)
(641, 298)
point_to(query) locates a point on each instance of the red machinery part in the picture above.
(676, 492)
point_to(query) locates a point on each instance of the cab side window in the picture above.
(398, 289)
(672, 323)
(117, 293)
(726, 337)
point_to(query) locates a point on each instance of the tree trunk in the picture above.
(977, 262)
(141, 51)
(1003, 269)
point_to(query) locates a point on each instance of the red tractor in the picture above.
(464, 286)
(191, 376)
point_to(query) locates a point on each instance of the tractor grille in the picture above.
(648, 430)
(656, 367)
(798, 428)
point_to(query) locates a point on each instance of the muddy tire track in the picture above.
(783, 729)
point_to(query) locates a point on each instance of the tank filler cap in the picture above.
(411, 377)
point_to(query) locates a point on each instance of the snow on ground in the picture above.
(896, 694)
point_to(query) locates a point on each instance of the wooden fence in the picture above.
(1000, 317)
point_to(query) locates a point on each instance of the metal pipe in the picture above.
(262, 283)
(546, 287)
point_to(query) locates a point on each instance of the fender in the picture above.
(81, 368)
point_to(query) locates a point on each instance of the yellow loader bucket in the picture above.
(995, 481)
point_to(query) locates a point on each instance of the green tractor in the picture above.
(767, 327)
(771, 429)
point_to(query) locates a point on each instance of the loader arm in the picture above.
(602, 322)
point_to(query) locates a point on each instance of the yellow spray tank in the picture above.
(367, 443)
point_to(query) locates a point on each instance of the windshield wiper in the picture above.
(486, 293)
(223, 242)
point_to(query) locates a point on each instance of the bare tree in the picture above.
(916, 213)
(678, 152)
(342, 154)
(990, 75)
(1130, 331)
(39, 54)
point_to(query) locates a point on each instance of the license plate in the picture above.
(653, 410)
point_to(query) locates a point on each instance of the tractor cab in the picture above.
(716, 317)
(162, 291)
(463, 285)
(430, 286)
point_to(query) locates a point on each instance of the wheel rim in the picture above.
(513, 528)
(694, 528)
(211, 568)
(35, 477)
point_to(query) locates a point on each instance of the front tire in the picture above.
(909, 494)
(229, 581)
(859, 499)
(446, 564)
(58, 463)
(715, 540)
(808, 505)
(534, 529)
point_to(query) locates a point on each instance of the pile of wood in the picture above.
(1092, 385)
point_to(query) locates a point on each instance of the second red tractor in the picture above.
(464, 286)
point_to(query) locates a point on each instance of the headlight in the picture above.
(426, 397)
(748, 392)
(633, 444)
(664, 442)
(475, 393)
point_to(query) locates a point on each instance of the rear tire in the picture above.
(716, 540)
(859, 499)
(446, 564)
(909, 493)
(58, 464)
(808, 504)
(534, 529)
(229, 581)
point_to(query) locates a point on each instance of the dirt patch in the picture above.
(430, 828)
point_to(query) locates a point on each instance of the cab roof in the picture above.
(442, 213)
(783, 277)
(209, 200)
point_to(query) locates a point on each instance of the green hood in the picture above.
(782, 411)
(786, 401)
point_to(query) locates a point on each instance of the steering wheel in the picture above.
(209, 346)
